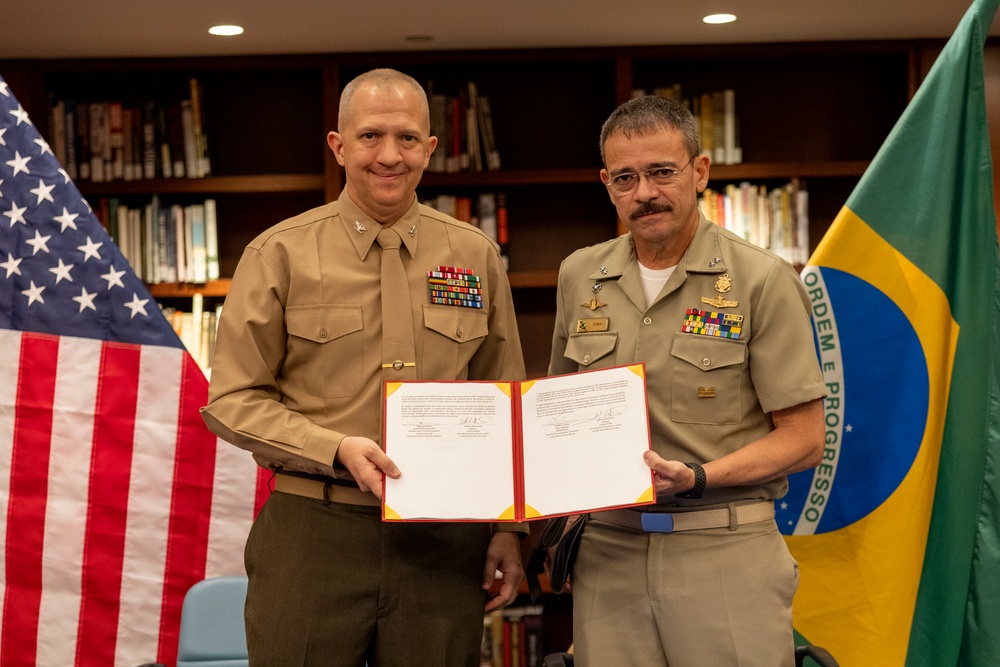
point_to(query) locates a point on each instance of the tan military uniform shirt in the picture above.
(297, 362)
(707, 395)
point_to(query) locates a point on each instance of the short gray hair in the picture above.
(645, 115)
(379, 78)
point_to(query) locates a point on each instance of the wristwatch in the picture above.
(699, 483)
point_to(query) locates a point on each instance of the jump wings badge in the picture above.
(722, 285)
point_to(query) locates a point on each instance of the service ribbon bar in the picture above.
(719, 325)
(454, 286)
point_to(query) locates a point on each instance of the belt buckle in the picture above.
(656, 522)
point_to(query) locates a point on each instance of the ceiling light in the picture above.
(225, 30)
(420, 39)
(716, 19)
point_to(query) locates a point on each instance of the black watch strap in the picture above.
(699, 482)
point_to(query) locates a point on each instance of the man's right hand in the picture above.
(366, 462)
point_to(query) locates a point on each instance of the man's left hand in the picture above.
(669, 477)
(504, 556)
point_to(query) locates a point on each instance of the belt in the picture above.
(328, 491)
(672, 522)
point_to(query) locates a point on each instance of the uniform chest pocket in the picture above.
(451, 336)
(590, 348)
(324, 352)
(706, 381)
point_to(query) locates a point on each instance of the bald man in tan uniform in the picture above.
(297, 380)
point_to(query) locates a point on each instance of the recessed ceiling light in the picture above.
(225, 30)
(716, 19)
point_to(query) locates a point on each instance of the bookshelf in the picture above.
(266, 119)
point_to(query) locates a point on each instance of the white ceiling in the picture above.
(115, 28)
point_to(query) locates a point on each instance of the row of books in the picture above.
(488, 211)
(718, 122)
(111, 140)
(776, 219)
(463, 124)
(196, 329)
(513, 637)
(165, 244)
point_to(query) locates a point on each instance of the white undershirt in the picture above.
(653, 281)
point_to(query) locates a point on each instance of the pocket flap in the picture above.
(456, 323)
(322, 324)
(587, 348)
(708, 353)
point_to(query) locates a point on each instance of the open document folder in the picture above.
(515, 451)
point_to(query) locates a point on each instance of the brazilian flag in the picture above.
(897, 532)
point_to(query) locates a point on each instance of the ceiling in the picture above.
(131, 28)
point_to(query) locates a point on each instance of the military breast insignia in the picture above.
(452, 286)
(593, 304)
(589, 324)
(718, 325)
(722, 285)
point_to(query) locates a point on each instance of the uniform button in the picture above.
(706, 362)
(586, 359)
(323, 333)
(647, 320)
(458, 334)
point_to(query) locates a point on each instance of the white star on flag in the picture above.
(137, 305)
(67, 219)
(34, 293)
(43, 192)
(39, 242)
(62, 271)
(19, 163)
(86, 300)
(90, 249)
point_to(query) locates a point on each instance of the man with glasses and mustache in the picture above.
(735, 391)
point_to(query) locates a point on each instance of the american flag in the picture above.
(114, 496)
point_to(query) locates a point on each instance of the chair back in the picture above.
(212, 633)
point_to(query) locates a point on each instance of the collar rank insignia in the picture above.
(361, 229)
(718, 325)
(452, 286)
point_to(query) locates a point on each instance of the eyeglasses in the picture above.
(626, 182)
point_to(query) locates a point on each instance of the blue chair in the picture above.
(212, 633)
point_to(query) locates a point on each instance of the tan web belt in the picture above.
(731, 516)
(319, 490)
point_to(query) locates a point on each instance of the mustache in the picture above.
(648, 208)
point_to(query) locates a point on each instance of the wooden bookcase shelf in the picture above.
(815, 112)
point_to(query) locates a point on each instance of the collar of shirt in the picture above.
(362, 229)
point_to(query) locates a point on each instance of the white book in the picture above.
(211, 241)
(198, 251)
(180, 243)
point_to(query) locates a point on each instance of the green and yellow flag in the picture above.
(897, 532)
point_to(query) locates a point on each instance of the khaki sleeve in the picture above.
(244, 406)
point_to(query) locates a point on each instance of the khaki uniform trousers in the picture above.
(331, 585)
(699, 598)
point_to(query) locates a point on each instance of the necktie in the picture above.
(398, 355)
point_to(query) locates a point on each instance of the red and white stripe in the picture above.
(114, 499)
